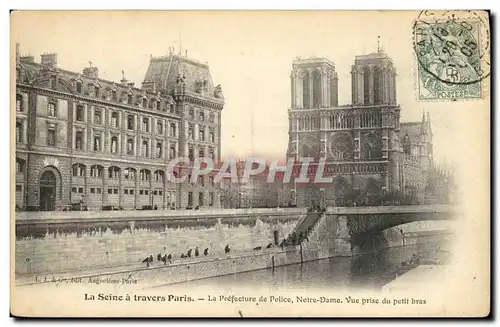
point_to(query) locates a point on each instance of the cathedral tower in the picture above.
(314, 87)
(373, 80)
(314, 84)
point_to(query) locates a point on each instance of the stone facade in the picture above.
(103, 143)
(365, 146)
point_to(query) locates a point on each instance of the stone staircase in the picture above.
(305, 227)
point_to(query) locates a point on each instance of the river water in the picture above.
(369, 271)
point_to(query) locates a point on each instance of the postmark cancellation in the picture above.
(452, 51)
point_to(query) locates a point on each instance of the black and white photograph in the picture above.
(250, 163)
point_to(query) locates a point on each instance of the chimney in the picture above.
(27, 59)
(49, 59)
(124, 81)
(92, 72)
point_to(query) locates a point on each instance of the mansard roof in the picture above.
(38, 75)
(166, 72)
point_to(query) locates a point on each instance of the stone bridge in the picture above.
(365, 224)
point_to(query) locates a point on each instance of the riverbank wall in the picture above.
(62, 242)
(112, 246)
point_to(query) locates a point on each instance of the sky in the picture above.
(250, 54)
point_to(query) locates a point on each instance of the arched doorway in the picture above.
(48, 191)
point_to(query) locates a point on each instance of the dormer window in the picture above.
(144, 103)
(96, 91)
(129, 98)
(78, 87)
(113, 95)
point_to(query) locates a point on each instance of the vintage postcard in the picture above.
(250, 163)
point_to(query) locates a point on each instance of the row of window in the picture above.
(130, 150)
(126, 97)
(201, 152)
(115, 121)
(131, 191)
(201, 133)
(96, 171)
(201, 116)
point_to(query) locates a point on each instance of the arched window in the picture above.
(159, 176)
(129, 174)
(114, 172)
(333, 92)
(145, 175)
(316, 89)
(144, 102)
(78, 170)
(305, 90)
(96, 171)
(378, 87)
(366, 85)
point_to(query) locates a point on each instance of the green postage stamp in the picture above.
(452, 49)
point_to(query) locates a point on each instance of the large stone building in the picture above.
(83, 139)
(367, 149)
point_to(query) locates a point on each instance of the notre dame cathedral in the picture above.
(366, 147)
